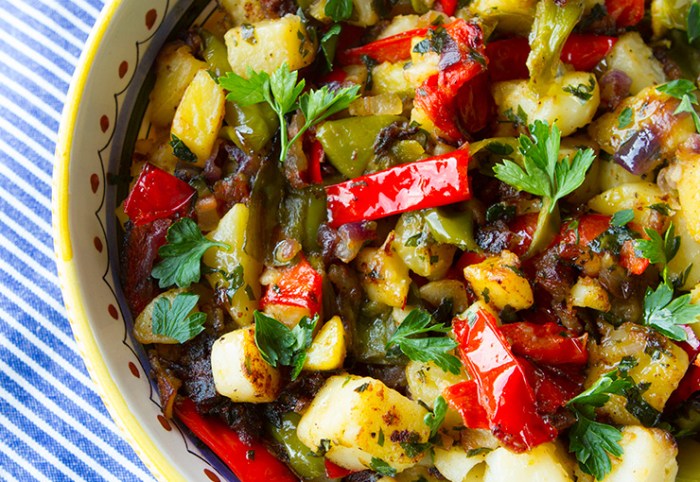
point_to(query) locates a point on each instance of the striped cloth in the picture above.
(53, 425)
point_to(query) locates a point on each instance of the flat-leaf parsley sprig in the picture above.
(176, 320)
(283, 93)
(684, 90)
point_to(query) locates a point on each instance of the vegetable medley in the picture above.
(425, 240)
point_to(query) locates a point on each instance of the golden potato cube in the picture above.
(649, 456)
(456, 466)
(390, 78)
(328, 348)
(143, 325)
(547, 462)
(497, 281)
(266, 45)
(588, 293)
(637, 196)
(632, 55)
(232, 231)
(240, 372)
(689, 191)
(175, 68)
(363, 419)
(688, 254)
(244, 11)
(384, 276)
(200, 115)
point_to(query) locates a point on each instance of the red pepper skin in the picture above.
(552, 390)
(156, 195)
(590, 226)
(334, 471)
(626, 13)
(629, 259)
(448, 7)
(475, 104)
(298, 285)
(523, 227)
(432, 182)
(690, 383)
(546, 343)
(225, 443)
(584, 52)
(502, 386)
(464, 398)
(508, 57)
(390, 49)
(317, 156)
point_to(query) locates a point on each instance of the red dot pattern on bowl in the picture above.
(212, 476)
(165, 423)
(123, 69)
(94, 182)
(134, 370)
(98, 244)
(151, 17)
(104, 123)
(113, 311)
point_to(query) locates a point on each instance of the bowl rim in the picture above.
(116, 404)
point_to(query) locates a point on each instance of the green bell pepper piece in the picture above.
(348, 143)
(452, 227)
(302, 460)
(548, 225)
(253, 125)
(302, 213)
(215, 53)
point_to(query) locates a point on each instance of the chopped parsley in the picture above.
(180, 149)
(280, 345)
(176, 320)
(684, 90)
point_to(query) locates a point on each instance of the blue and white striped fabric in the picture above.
(53, 425)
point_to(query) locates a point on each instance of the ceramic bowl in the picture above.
(106, 98)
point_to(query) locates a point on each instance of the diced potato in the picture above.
(638, 196)
(268, 44)
(382, 104)
(421, 118)
(547, 462)
(633, 56)
(245, 11)
(328, 348)
(649, 456)
(427, 381)
(390, 78)
(611, 175)
(401, 23)
(689, 191)
(514, 16)
(199, 116)
(175, 68)
(239, 370)
(588, 293)
(456, 466)
(417, 247)
(232, 231)
(437, 292)
(570, 102)
(384, 276)
(355, 414)
(143, 325)
(688, 253)
(496, 281)
(660, 363)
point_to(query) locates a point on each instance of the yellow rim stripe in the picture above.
(117, 406)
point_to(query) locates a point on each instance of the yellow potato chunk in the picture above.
(632, 55)
(547, 462)
(588, 293)
(362, 419)
(689, 191)
(384, 276)
(496, 281)
(456, 466)
(244, 11)
(228, 262)
(328, 348)
(637, 196)
(200, 115)
(266, 45)
(143, 326)
(175, 69)
(240, 372)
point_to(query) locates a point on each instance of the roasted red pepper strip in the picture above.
(315, 160)
(629, 259)
(299, 285)
(508, 57)
(626, 13)
(428, 183)
(448, 7)
(156, 195)
(389, 49)
(248, 462)
(523, 227)
(503, 390)
(546, 343)
(334, 471)
(464, 398)
(552, 390)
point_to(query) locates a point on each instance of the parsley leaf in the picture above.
(435, 419)
(658, 250)
(182, 255)
(329, 42)
(693, 22)
(279, 345)
(435, 42)
(684, 90)
(338, 10)
(176, 320)
(583, 92)
(544, 175)
(593, 443)
(180, 149)
(283, 93)
(625, 118)
(621, 218)
(665, 314)
(433, 349)
(381, 467)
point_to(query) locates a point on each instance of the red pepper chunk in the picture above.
(448, 7)
(584, 52)
(334, 471)
(502, 386)
(156, 195)
(299, 285)
(390, 49)
(464, 398)
(626, 13)
(546, 343)
(248, 462)
(428, 183)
